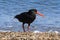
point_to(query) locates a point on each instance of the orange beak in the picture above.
(40, 14)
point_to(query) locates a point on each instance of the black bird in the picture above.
(27, 17)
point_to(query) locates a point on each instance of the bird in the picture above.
(27, 17)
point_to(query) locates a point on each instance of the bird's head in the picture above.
(36, 12)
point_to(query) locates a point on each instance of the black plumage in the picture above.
(27, 17)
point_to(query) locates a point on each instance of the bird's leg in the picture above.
(28, 27)
(23, 27)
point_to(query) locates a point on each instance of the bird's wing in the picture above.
(25, 17)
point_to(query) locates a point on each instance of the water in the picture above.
(10, 8)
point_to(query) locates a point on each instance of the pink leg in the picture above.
(28, 27)
(23, 27)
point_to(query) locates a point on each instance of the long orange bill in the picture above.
(40, 14)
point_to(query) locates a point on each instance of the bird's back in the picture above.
(26, 17)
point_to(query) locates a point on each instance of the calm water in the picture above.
(10, 8)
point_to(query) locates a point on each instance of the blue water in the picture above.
(50, 8)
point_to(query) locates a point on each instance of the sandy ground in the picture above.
(29, 36)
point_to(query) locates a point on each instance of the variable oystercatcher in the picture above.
(27, 17)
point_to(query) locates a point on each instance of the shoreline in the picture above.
(29, 36)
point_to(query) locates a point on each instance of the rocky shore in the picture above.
(29, 36)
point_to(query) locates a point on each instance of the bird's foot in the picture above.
(18, 30)
(24, 31)
(28, 30)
